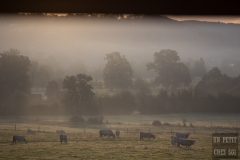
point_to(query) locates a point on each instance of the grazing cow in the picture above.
(146, 135)
(108, 133)
(182, 135)
(60, 132)
(63, 137)
(117, 132)
(184, 142)
(30, 131)
(19, 138)
(173, 140)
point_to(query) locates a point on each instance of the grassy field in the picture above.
(45, 144)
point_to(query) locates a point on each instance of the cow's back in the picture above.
(106, 133)
(19, 138)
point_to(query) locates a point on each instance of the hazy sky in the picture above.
(224, 19)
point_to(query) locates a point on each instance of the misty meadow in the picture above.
(129, 72)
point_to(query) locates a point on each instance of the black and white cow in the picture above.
(19, 138)
(108, 133)
(60, 132)
(182, 135)
(117, 132)
(146, 135)
(30, 131)
(63, 138)
(184, 142)
(173, 140)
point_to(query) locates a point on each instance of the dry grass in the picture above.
(46, 145)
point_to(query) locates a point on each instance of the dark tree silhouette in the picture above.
(214, 82)
(15, 83)
(199, 68)
(52, 90)
(79, 91)
(171, 72)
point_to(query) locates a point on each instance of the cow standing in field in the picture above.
(108, 133)
(63, 138)
(19, 138)
(173, 140)
(60, 132)
(30, 131)
(146, 135)
(184, 142)
(182, 135)
(117, 132)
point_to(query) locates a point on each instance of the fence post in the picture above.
(15, 127)
(127, 130)
(149, 130)
(38, 128)
(171, 130)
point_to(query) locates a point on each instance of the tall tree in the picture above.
(117, 72)
(171, 72)
(214, 82)
(14, 81)
(14, 70)
(199, 68)
(80, 92)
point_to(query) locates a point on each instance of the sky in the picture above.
(223, 19)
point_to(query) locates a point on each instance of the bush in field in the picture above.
(156, 123)
(166, 124)
(77, 119)
(95, 120)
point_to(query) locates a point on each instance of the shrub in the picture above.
(166, 124)
(95, 120)
(77, 119)
(156, 123)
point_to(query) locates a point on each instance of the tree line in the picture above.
(216, 92)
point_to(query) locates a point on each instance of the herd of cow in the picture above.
(179, 139)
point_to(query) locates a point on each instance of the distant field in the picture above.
(197, 119)
(155, 91)
(46, 145)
